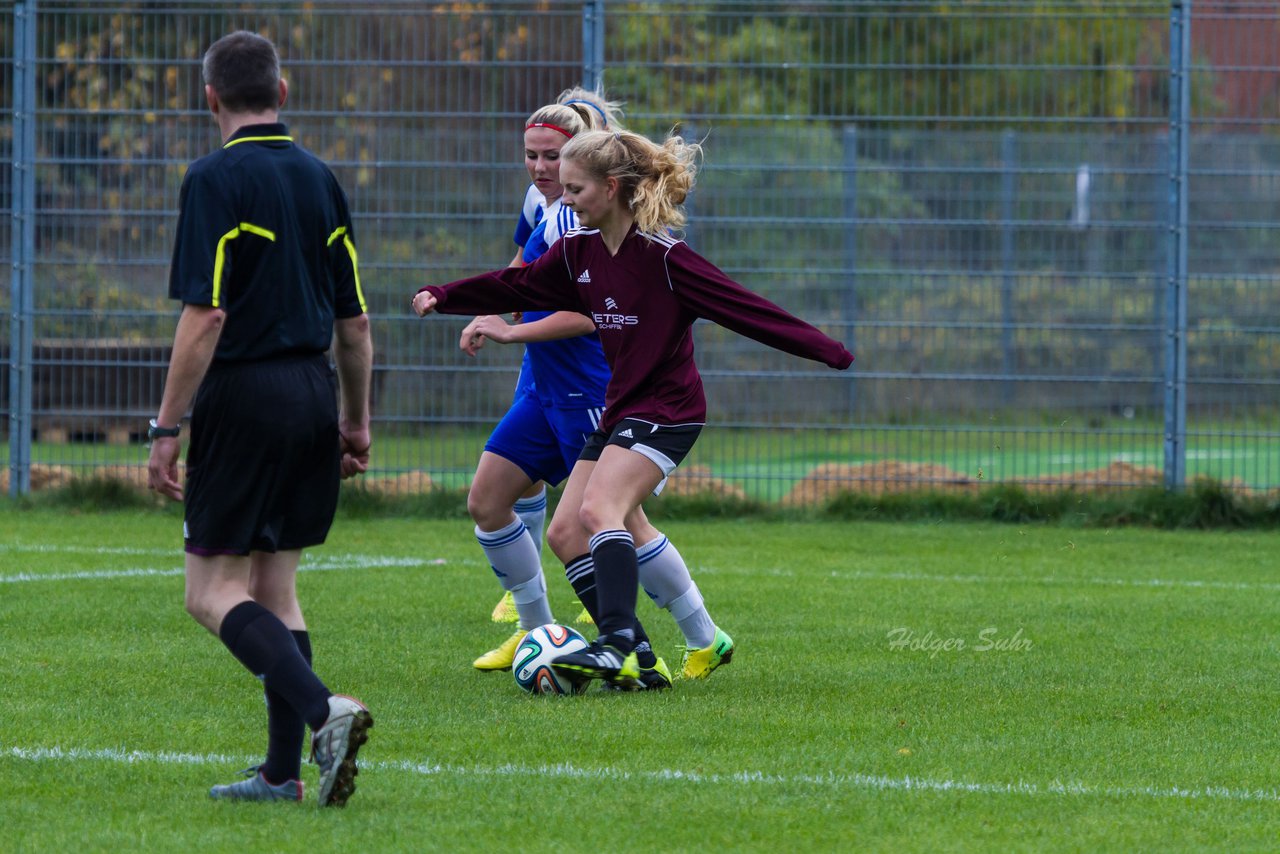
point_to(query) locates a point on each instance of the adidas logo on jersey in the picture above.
(585, 278)
(626, 434)
(609, 303)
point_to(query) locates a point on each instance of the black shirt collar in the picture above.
(270, 131)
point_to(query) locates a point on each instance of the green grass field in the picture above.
(896, 686)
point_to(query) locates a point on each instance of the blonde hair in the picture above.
(653, 180)
(578, 110)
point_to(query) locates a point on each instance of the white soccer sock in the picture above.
(665, 577)
(533, 512)
(515, 562)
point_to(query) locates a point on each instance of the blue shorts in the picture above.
(544, 441)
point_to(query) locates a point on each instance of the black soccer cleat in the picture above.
(600, 661)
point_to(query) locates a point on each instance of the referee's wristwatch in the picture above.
(155, 431)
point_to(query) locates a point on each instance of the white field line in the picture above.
(866, 782)
(349, 561)
(51, 548)
(341, 562)
(1050, 580)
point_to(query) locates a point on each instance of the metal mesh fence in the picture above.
(999, 206)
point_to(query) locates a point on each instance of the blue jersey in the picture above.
(570, 373)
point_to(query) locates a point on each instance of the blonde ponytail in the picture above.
(654, 180)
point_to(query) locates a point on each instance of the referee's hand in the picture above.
(162, 467)
(355, 444)
(423, 303)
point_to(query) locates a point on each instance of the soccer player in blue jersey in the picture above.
(644, 289)
(559, 402)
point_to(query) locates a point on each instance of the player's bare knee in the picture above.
(485, 513)
(200, 607)
(593, 517)
(561, 538)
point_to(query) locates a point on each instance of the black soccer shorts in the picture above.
(666, 445)
(263, 464)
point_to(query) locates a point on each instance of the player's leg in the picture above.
(619, 481)
(499, 496)
(531, 507)
(273, 584)
(569, 541)
(509, 549)
(665, 578)
(217, 595)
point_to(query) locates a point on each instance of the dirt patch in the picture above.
(42, 477)
(876, 478)
(134, 477)
(408, 483)
(1116, 476)
(698, 480)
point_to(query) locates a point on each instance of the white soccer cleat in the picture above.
(334, 748)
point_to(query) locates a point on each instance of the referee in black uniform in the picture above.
(265, 266)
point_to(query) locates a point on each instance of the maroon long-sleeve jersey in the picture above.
(644, 301)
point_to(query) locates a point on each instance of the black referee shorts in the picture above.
(263, 460)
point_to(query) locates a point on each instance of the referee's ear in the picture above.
(284, 92)
(212, 97)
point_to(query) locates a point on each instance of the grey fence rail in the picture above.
(1048, 230)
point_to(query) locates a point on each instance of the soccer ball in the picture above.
(532, 665)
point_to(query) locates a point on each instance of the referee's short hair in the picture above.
(244, 69)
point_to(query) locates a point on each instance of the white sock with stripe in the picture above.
(533, 512)
(515, 561)
(665, 578)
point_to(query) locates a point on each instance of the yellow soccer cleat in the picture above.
(505, 610)
(698, 663)
(585, 618)
(500, 658)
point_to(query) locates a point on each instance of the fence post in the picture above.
(849, 293)
(592, 44)
(1175, 315)
(1008, 190)
(23, 226)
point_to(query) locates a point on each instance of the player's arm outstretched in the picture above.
(705, 290)
(543, 285)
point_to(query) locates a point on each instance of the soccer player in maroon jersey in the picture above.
(559, 400)
(643, 288)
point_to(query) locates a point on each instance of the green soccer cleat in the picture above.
(698, 663)
(256, 788)
(505, 611)
(656, 678)
(501, 657)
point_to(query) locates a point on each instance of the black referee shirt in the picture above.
(264, 233)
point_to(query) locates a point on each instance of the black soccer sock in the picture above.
(263, 644)
(581, 572)
(285, 728)
(617, 583)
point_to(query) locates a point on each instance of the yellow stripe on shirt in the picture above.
(341, 231)
(220, 254)
(258, 139)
